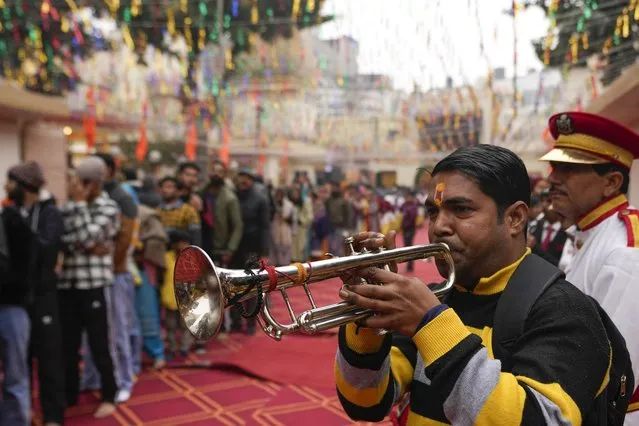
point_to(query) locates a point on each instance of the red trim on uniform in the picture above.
(601, 212)
(633, 405)
(631, 220)
(604, 217)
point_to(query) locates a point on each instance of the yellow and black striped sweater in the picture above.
(559, 365)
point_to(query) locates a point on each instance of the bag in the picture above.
(167, 293)
(533, 276)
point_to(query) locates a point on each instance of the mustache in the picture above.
(556, 189)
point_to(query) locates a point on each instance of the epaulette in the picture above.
(631, 218)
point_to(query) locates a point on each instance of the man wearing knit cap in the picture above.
(16, 294)
(591, 163)
(24, 183)
(91, 224)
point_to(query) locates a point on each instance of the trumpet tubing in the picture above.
(203, 291)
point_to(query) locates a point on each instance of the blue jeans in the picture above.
(136, 344)
(120, 298)
(15, 401)
(147, 307)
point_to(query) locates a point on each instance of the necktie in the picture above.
(545, 245)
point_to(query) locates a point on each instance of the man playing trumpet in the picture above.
(441, 354)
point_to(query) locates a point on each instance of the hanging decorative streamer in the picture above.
(143, 142)
(190, 148)
(38, 44)
(515, 100)
(540, 90)
(552, 15)
(225, 153)
(90, 120)
(622, 28)
(593, 86)
(284, 158)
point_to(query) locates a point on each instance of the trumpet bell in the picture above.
(198, 293)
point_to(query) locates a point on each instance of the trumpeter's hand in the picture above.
(400, 303)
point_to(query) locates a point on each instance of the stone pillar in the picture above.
(10, 149)
(46, 144)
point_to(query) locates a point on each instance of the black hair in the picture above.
(130, 173)
(169, 179)
(188, 165)
(499, 173)
(602, 169)
(108, 159)
(179, 236)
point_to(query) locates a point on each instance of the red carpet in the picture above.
(244, 380)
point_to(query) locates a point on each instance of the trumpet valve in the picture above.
(349, 246)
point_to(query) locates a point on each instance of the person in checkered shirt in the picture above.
(91, 224)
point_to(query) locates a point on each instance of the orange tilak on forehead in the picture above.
(439, 194)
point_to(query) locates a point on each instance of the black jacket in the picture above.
(45, 221)
(256, 219)
(16, 282)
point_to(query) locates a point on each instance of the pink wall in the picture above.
(46, 144)
(9, 150)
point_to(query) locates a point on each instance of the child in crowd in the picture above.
(178, 241)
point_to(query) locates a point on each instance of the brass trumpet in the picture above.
(203, 291)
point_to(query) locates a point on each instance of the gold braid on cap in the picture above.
(595, 146)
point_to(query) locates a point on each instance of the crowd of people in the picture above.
(101, 264)
(538, 328)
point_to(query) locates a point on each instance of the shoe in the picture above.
(200, 350)
(122, 396)
(223, 336)
(250, 331)
(184, 353)
(159, 364)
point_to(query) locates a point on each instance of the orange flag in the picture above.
(284, 159)
(224, 151)
(261, 161)
(143, 142)
(190, 149)
(89, 121)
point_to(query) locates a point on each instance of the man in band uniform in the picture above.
(591, 163)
